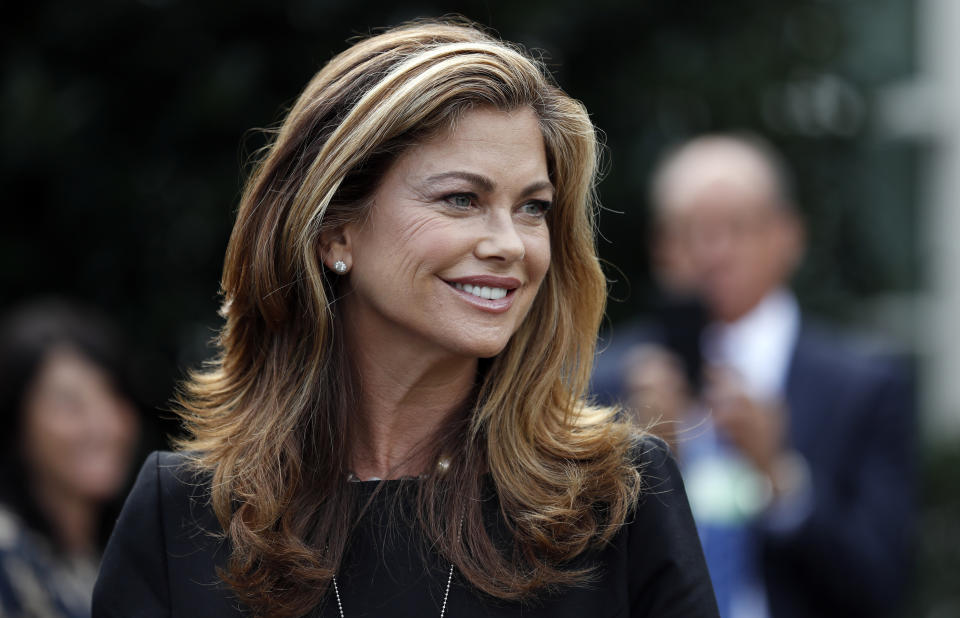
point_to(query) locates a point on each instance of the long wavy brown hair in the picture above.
(269, 417)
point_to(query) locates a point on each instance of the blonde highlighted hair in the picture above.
(269, 417)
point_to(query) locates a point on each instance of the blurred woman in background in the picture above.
(70, 431)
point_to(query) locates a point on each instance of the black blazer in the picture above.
(852, 418)
(164, 552)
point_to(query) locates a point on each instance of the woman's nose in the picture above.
(500, 239)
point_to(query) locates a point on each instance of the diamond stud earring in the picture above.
(340, 266)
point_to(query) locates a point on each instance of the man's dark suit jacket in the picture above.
(851, 416)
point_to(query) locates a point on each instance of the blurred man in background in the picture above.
(798, 447)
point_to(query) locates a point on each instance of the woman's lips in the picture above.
(487, 292)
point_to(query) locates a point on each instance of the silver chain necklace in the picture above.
(443, 609)
(443, 464)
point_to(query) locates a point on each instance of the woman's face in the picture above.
(78, 432)
(456, 243)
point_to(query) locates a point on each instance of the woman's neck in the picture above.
(405, 397)
(74, 520)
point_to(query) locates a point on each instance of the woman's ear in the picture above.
(335, 249)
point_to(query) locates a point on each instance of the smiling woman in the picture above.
(395, 423)
(453, 251)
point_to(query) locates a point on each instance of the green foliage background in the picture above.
(126, 130)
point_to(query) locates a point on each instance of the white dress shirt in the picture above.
(758, 346)
(724, 487)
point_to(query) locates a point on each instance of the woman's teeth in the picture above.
(482, 292)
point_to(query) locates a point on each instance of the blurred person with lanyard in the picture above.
(71, 429)
(395, 422)
(797, 445)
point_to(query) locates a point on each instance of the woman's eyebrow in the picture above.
(478, 180)
(538, 186)
(485, 183)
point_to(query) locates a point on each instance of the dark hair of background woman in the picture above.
(28, 334)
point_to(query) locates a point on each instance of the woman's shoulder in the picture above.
(662, 500)
(177, 467)
(170, 501)
(666, 570)
(179, 489)
(12, 530)
(647, 449)
(166, 546)
(654, 460)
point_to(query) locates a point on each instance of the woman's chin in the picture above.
(490, 354)
(96, 483)
(476, 349)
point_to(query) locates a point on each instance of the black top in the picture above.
(162, 557)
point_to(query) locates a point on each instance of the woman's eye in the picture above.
(459, 200)
(537, 208)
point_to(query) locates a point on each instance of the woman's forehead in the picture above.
(485, 144)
